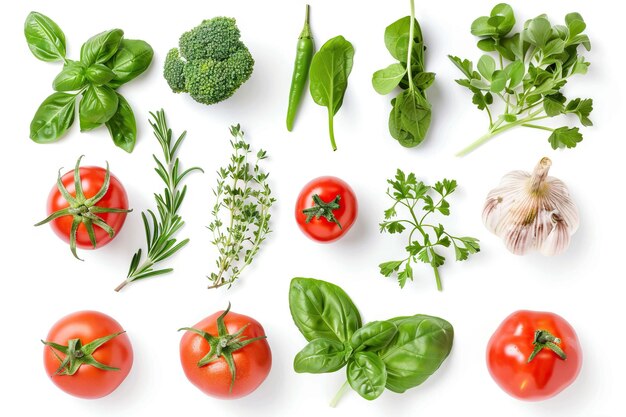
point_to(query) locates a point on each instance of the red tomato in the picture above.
(547, 373)
(252, 362)
(326, 209)
(87, 381)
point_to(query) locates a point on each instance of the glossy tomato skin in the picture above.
(327, 188)
(92, 179)
(547, 374)
(89, 382)
(252, 362)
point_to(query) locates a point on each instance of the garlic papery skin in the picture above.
(532, 211)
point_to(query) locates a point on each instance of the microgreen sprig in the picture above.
(407, 192)
(160, 231)
(528, 73)
(243, 191)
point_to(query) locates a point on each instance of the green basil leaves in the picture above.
(329, 72)
(397, 354)
(410, 115)
(106, 62)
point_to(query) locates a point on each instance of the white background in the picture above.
(41, 281)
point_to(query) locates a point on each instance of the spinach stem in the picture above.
(339, 394)
(410, 48)
(331, 129)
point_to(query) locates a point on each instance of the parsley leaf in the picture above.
(565, 137)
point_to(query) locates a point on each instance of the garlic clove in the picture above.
(531, 211)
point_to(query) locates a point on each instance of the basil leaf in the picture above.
(320, 356)
(99, 74)
(131, 59)
(122, 126)
(367, 375)
(71, 78)
(45, 38)
(410, 118)
(373, 336)
(385, 80)
(330, 68)
(417, 351)
(53, 117)
(101, 47)
(322, 310)
(97, 106)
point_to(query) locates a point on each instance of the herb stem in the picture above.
(438, 278)
(549, 129)
(339, 394)
(497, 130)
(410, 48)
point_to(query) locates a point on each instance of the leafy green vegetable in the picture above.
(528, 74)
(107, 61)
(396, 354)
(412, 195)
(160, 233)
(410, 115)
(211, 62)
(243, 190)
(329, 72)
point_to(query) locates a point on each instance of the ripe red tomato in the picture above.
(69, 354)
(105, 215)
(207, 348)
(326, 209)
(557, 355)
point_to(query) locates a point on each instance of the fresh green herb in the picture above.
(397, 354)
(304, 54)
(160, 233)
(528, 74)
(410, 115)
(243, 191)
(107, 61)
(412, 195)
(211, 62)
(330, 69)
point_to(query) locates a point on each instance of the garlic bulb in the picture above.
(532, 211)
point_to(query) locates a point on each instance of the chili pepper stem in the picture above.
(339, 394)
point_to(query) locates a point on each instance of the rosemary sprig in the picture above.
(242, 190)
(160, 231)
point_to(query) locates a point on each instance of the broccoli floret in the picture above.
(211, 62)
(173, 71)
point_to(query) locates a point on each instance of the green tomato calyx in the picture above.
(545, 340)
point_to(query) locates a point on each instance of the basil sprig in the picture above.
(395, 354)
(107, 61)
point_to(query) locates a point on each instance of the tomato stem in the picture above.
(545, 340)
(339, 394)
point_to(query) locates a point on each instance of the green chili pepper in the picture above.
(304, 54)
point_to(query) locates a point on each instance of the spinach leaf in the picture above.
(320, 356)
(122, 126)
(53, 117)
(101, 47)
(373, 336)
(410, 115)
(97, 105)
(385, 80)
(367, 375)
(71, 78)
(132, 58)
(322, 310)
(419, 348)
(45, 38)
(329, 72)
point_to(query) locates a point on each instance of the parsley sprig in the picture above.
(244, 193)
(425, 239)
(161, 229)
(528, 73)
